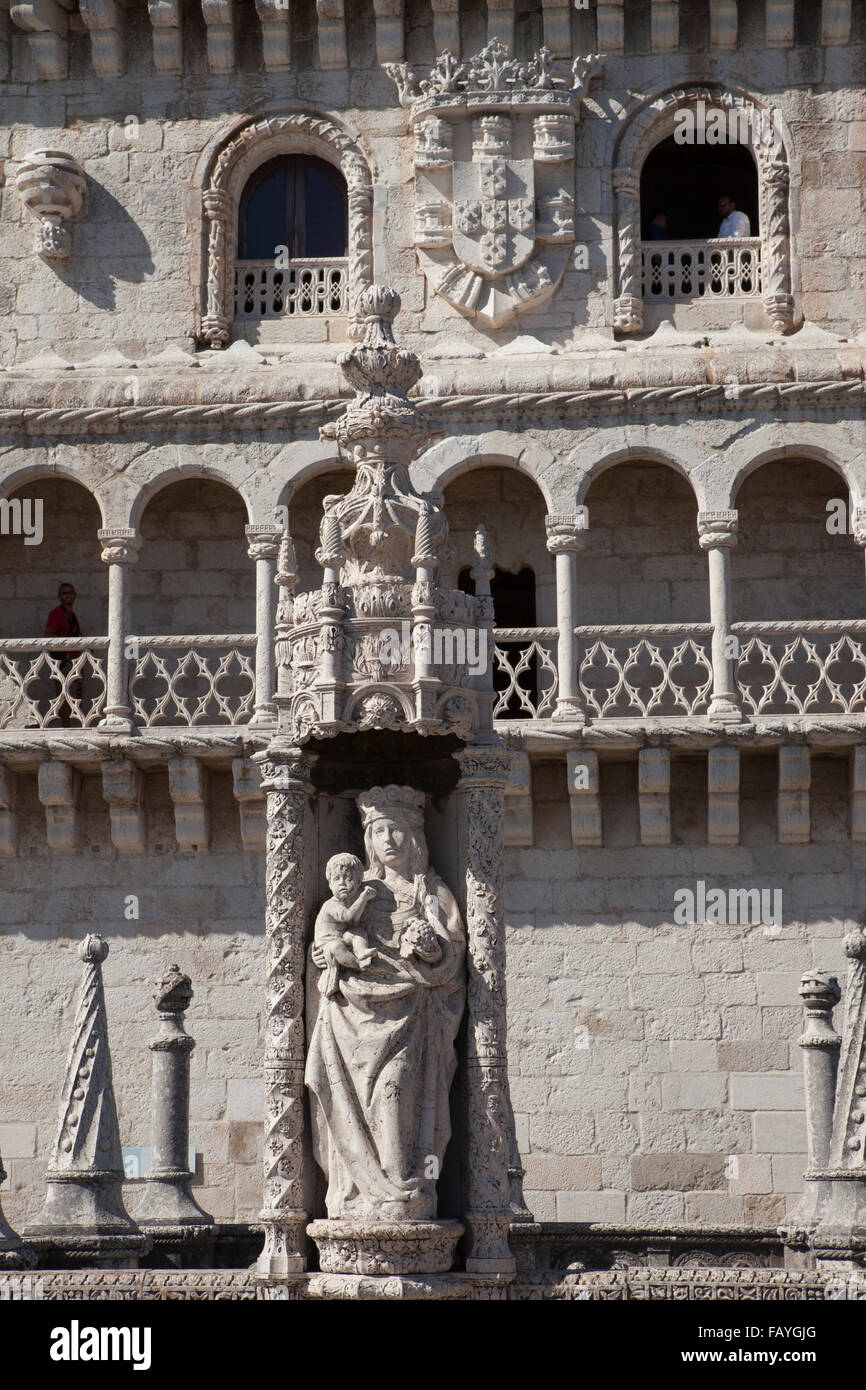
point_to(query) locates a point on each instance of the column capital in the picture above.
(566, 531)
(483, 767)
(263, 542)
(285, 769)
(718, 530)
(120, 544)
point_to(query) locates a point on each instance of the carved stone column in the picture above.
(216, 324)
(820, 1043)
(484, 774)
(717, 532)
(628, 305)
(167, 1199)
(565, 537)
(263, 547)
(120, 546)
(286, 782)
(841, 1235)
(776, 245)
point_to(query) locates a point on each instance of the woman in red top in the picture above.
(63, 622)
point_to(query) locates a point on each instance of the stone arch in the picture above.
(636, 453)
(226, 173)
(441, 464)
(158, 482)
(805, 452)
(93, 479)
(651, 124)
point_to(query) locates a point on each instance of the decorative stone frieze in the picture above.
(84, 1197)
(167, 1201)
(52, 186)
(493, 137)
(652, 123)
(288, 133)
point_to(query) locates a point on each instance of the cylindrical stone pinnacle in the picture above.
(168, 1200)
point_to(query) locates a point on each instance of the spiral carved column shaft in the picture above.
(484, 772)
(285, 779)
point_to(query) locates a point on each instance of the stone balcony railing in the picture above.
(625, 671)
(718, 268)
(178, 681)
(302, 288)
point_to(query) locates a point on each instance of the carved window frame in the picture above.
(654, 124)
(294, 132)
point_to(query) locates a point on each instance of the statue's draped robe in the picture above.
(381, 1060)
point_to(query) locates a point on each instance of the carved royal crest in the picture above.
(494, 177)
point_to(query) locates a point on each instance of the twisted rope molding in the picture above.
(233, 414)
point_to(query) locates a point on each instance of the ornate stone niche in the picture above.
(254, 144)
(653, 123)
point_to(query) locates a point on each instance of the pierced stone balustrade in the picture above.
(718, 268)
(50, 681)
(525, 674)
(629, 671)
(202, 680)
(802, 667)
(303, 288)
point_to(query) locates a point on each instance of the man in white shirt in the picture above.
(734, 224)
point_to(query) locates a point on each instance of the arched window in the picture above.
(298, 202)
(292, 240)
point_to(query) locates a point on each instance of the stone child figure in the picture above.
(336, 932)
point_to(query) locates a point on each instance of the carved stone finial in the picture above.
(173, 992)
(52, 187)
(330, 551)
(84, 1180)
(167, 1202)
(287, 564)
(819, 991)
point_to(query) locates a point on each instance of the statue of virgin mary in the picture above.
(381, 1056)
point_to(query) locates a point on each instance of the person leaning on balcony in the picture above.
(62, 621)
(658, 228)
(734, 223)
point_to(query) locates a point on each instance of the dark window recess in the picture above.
(686, 182)
(295, 201)
(513, 606)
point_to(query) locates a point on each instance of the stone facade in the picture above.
(655, 1077)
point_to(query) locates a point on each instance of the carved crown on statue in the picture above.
(379, 645)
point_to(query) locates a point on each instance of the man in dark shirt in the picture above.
(63, 622)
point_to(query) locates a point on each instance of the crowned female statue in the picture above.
(387, 1006)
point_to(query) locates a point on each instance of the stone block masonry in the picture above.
(653, 1066)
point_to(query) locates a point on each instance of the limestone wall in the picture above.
(135, 275)
(654, 1070)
